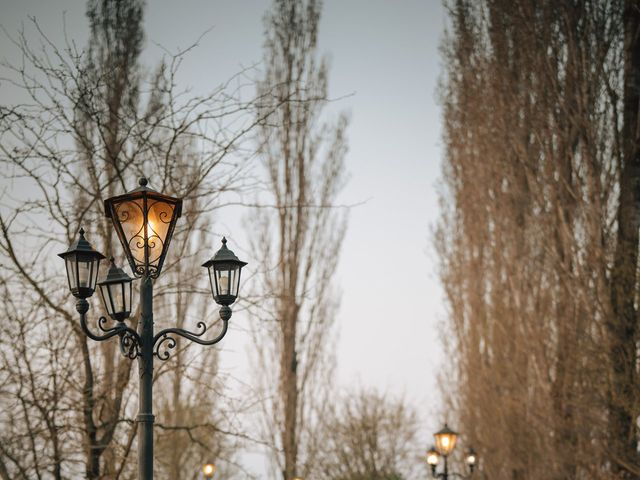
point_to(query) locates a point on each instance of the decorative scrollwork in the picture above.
(161, 350)
(165, 337)
(129, 345)
(101, 325)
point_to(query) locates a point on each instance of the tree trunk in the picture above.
(623, 324)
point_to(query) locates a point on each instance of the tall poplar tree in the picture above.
(539, 234)
(300, 236)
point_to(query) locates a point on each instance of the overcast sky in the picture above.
(385, 62)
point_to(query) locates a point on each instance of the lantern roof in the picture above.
(143, 191)
(446, 431)
(224, 255)
(115, 275)
(81, 245)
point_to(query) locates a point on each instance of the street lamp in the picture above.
(445, 443)
(144, 221)
(82, 263)
(209, 470)
(115, 291)
(445, 440)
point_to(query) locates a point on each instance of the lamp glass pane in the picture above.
(233, 281)
(131, 218)
(445, 442)
(117, 297)
(237, 281)
(223, 281)
(70, 264)
(127, 287)
(84, 274)
(130, 215)
(212, 282)
(159, 219)
(94, 273)
(106, 299)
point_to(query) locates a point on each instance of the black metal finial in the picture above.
(81, 231)
(224, 241)
(143, 182)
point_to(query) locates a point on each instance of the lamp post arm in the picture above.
(129, 338)
(459, 475)
(165, 336)
(120, 329)
(447, 475)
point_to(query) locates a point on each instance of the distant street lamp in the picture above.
(209, 470)
(445, 443)
(144, 221)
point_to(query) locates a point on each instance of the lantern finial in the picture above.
(143, 182)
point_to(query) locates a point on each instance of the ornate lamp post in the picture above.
(445, 443)
(144, 221)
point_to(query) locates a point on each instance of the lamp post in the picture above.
(144, 220)
(445, 443)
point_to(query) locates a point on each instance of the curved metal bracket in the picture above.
(445, 476)
(164, 341)
(129, 338)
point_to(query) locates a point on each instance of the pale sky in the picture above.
(385, 62)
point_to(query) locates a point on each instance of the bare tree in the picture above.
(368, 436)
(536, 214)
(299, 236)
(85, 124)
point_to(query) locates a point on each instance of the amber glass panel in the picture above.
(445, 442)
(159, 219)
(131, 218)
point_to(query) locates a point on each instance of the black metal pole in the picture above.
(145, 369)
(446, 469)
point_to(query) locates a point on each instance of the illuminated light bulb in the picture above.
(83, 274)
(209, 469)
(223, 282)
